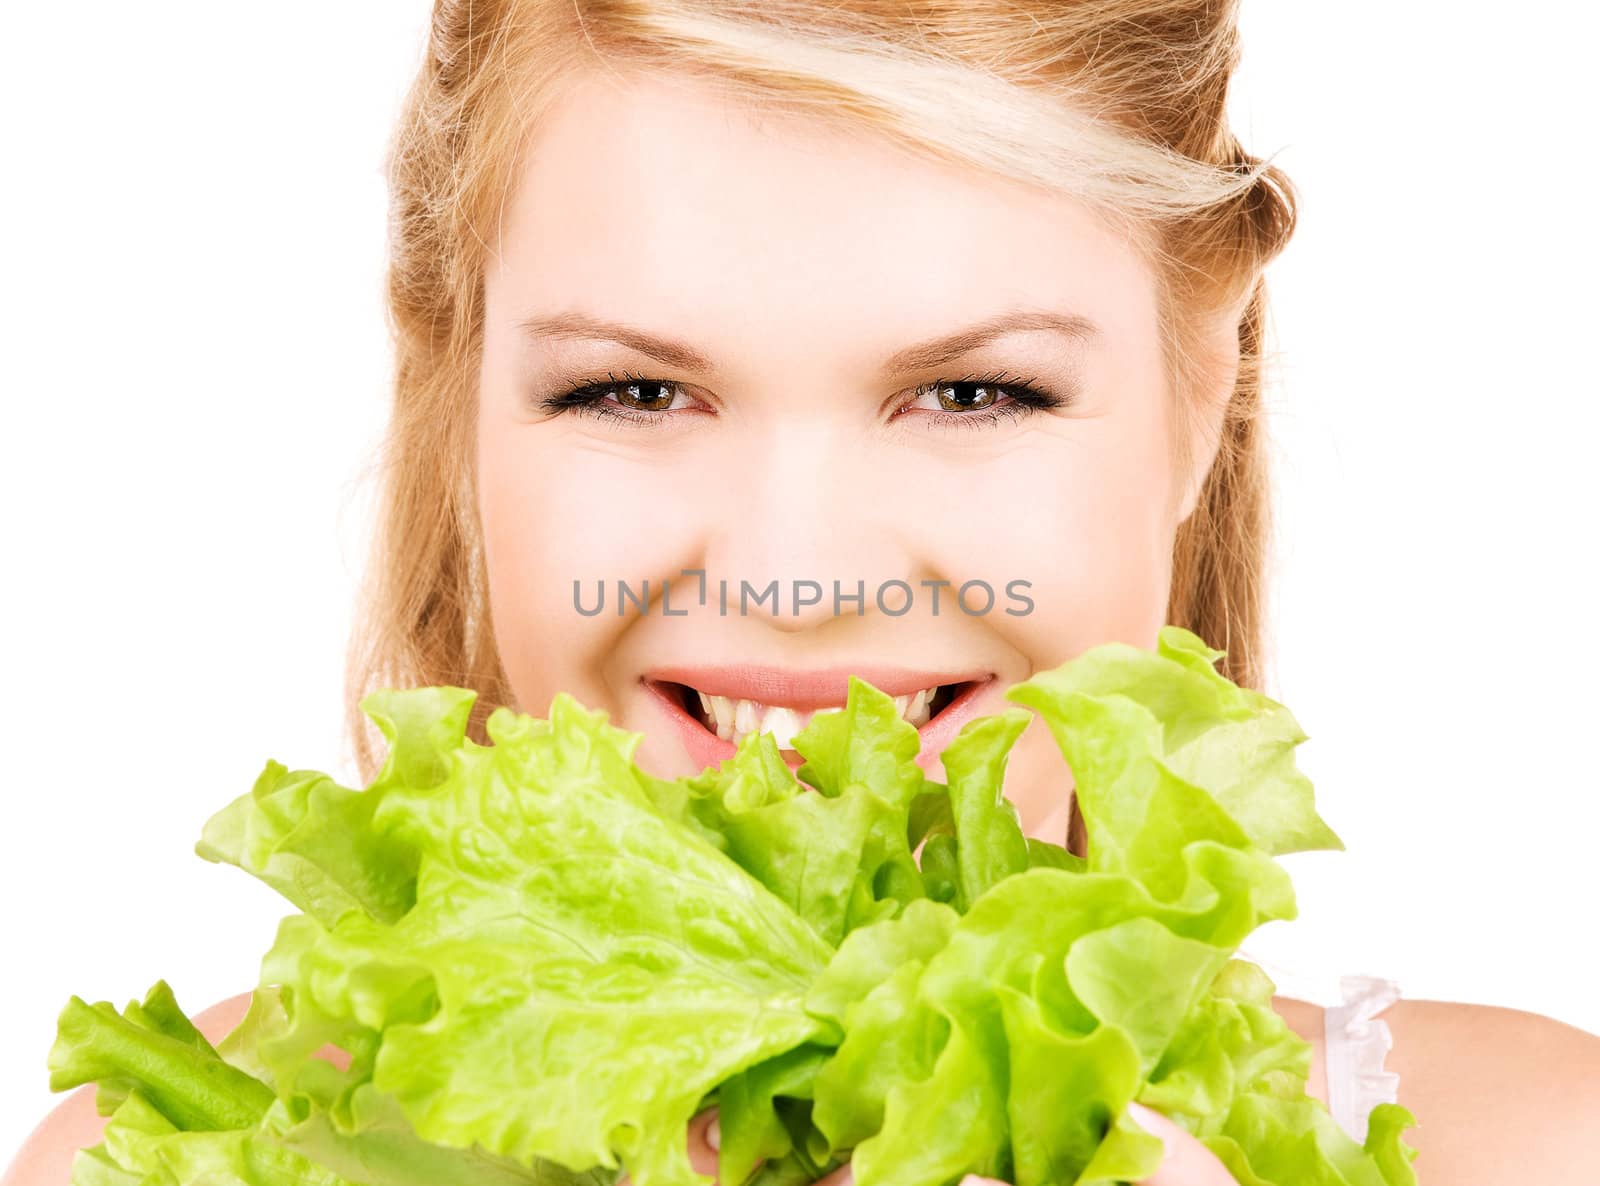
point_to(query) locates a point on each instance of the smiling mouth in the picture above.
(734, 719)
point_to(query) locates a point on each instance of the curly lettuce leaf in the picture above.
(578, 970)
(1236, 742)
(761, 1110)
(180, 1112)
(1110, 962)
(541, 960)
(152, 1051)
(840, 856)
(989, 844)
(313, 840)
(142, 1147)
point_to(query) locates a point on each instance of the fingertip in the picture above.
(1141, 1113)
(704, 1136)
(843, 1176)
(1149, 1119)
(1184, 1158)
(1156, 1125)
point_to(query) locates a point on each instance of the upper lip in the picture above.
(818, 688)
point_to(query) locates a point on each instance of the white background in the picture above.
(195, 373)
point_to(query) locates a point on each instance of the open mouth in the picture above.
(731, 720)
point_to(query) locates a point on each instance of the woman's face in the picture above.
(816, 339)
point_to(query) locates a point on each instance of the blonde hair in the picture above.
(1120, 103)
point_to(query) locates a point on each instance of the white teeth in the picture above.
(746, 717)
(722, 713)
(734, 720)
(783, 724)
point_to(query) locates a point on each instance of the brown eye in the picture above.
(967, 397)
(978, 400)
(644, 397)
(633, 399)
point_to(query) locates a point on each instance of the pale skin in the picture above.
(795, 258)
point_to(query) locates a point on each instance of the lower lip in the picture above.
(705, 748)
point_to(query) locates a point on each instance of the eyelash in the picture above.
(588, 399)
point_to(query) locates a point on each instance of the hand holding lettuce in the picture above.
(543, 960)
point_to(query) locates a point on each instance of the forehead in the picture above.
(665, 203)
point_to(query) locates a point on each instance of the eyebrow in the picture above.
(922, 356)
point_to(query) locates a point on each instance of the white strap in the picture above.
(1355, 1045)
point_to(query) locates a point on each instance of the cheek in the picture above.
(1081, 515)
(559, 507)
(525, 524)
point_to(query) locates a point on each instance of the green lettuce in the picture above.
(537, 961)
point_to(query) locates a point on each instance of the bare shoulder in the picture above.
(45, 1159)
(1499, 1094)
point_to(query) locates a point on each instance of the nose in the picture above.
(812, 509)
